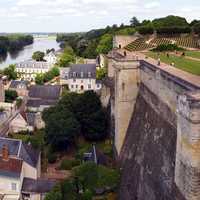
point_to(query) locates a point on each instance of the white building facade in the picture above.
(28, 70)
(80, 78)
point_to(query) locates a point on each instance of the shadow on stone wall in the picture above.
(148, 156)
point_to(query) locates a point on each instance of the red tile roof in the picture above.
(11, 167)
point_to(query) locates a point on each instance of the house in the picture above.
(43, 96)
(19, 162)
(51, 58)
(80, 77)
(21, 87)
(26, 122)
(20, 170)
(20, 124)
(27, 70)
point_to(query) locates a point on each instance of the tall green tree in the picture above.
(105, 44)
(134, 22)
(38, 56)
(66, 57)
(10, 72)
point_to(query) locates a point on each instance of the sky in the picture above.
(84, 15)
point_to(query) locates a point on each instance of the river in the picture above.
(40, 44)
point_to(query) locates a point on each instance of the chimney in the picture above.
(5, 153)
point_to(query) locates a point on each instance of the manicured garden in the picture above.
(188, 65)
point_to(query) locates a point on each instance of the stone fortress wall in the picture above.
(156, 121)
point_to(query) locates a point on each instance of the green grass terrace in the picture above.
(183, 63)
(193, 54)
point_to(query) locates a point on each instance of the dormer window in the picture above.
(89, 74)
(82, 74)
(74, 74)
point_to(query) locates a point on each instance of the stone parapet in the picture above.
(187, 170)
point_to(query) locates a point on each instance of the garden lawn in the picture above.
(193, 54)
(191, 66)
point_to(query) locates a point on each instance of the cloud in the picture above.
(151, 5)
(78, 15)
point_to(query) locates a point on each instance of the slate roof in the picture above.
(35, 103)
(20, 150)
(50, 92)
(11, 168)
(15, 83)
(37, 186)
(82, 71)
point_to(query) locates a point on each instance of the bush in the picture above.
(92, 176)
(167, 47)
(69, 164)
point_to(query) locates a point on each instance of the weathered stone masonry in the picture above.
(157, 132)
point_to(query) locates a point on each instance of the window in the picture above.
(81, 81)
(89, 74)
(14, 186)
(82, 74)
(76, 86)
(89, 86)
(72, 86)
(98, 86)
(74, 80)
(74, 74)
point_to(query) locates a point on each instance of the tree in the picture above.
(10, 96)
(67, 57)
(196, 28)
(134, 22)
(10, 72)
(105, 44)
(61, 128)
(170, 21)
(39, 79)
(38, 56)
(101, 73)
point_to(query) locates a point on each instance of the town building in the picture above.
(27, 70)
(80, 77)
(51, 58)
(20, 166)
(20, 124)
(43, 96)
(21, 87)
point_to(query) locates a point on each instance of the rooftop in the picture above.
(37, 186)
(45, 92)
(16, 84)
(11, 168)
(20, 150)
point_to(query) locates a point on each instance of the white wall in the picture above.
(6, 187)
(88, 84)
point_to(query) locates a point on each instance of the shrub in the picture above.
(167, 47)
(69, 164)
(93, 176)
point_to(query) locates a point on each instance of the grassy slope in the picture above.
(190, 66)
(193, 54)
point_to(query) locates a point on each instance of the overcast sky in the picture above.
(83, 15)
